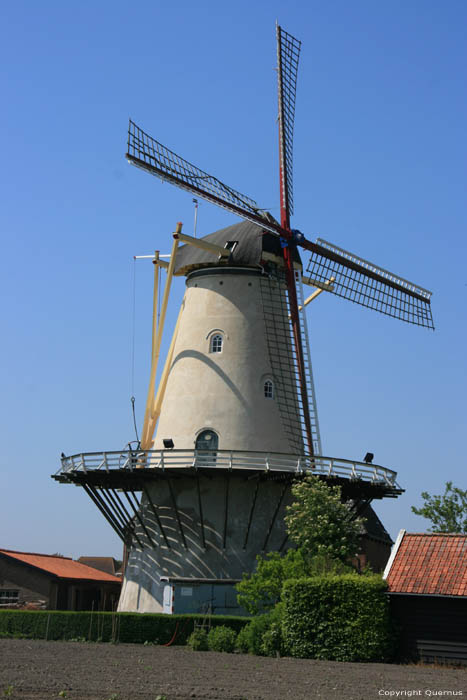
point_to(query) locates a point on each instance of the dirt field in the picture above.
(39, 669)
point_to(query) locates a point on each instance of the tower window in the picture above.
(268, 389)
(216, 343)
(207, 440)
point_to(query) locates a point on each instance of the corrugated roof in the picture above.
(429, 564)
(252, 240)
(63, 567)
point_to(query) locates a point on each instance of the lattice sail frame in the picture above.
(150, 155)
(288, 54)
(366, 284)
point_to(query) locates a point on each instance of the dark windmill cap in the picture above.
(251, 246)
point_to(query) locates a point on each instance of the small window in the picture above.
(216, 343)
(7, 597)
(268, 389)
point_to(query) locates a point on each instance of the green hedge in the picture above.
(345, 618)
(119, 627)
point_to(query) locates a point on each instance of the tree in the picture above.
(448, 512)
(319, 523)
(260, 591)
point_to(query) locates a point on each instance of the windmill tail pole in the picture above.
(157, 343)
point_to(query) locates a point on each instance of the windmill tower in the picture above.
(233, 422)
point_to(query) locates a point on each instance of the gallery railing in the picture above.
(227, 459)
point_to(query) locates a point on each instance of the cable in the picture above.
(174, 635)
(133, 334)
(134, 418)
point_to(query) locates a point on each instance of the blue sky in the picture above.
(379, 169)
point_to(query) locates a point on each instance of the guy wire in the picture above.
(133, 331)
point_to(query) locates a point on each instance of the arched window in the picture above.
(207, 440)
(216, 343)
(268, 389)
(206, 445)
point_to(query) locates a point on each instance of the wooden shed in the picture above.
(427, 578)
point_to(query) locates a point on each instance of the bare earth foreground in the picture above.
(39, 669)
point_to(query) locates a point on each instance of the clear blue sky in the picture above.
(380, 169)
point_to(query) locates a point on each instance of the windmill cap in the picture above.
(255, 246)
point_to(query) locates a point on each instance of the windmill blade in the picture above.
(288, 53)
(364, 283)
(150, 155)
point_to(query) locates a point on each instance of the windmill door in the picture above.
(207, 444)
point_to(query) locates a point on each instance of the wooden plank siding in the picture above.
(432, 628)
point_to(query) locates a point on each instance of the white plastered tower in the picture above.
(221, 377)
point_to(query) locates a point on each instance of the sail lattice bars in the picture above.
(150, 155)
(288, 54)
(366, 284)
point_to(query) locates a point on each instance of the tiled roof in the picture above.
(432, 564)
(63, 567)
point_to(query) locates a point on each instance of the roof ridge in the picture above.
(436, 534)
(35, 554)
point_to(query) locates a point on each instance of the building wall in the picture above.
(375, 553)
(34, 586)
(433, 628)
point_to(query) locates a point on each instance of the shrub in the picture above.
(344, 618)
(198, 640)
(222, 639)
(261, 590)
(250, 638)
(272, 641)
(136, 628)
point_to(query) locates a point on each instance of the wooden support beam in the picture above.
(104, 510)
(226, 508)
(204, 245)
(251, 515)
(146, 439)
(119, 517)
(319, 285)
(326, 287)
(200, 508)
(151, 541)
(155, 297)
(271, 525)
(157, 405)
(177, 514)
(125, 514)
(156, 515)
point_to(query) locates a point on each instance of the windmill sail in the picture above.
(366, 284)
(150, 155)
(288, 53)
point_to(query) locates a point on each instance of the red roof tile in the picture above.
(432, 564)
(63, 567)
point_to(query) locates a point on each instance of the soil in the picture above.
(82, 671)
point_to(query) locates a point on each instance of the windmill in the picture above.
(234, 419)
